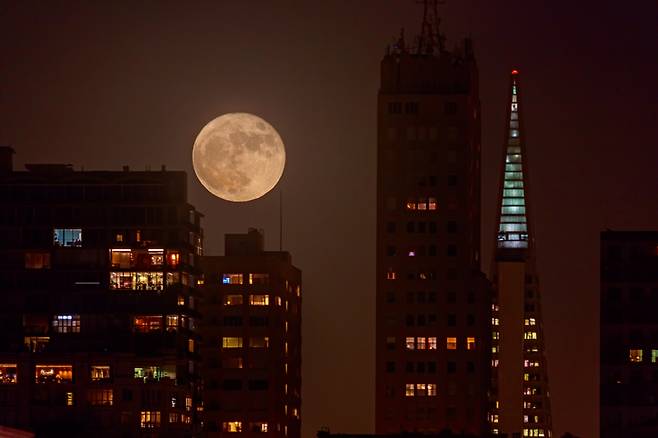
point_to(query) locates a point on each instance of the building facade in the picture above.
(98, 294)
(520, 404)
(432, 301)
(629, 334)
(252, 340)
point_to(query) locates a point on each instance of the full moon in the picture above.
(238, 157)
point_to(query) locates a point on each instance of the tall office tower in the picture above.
(433, 303)
(252, 345)
(629, 334)
(98, 311)
(520, 397)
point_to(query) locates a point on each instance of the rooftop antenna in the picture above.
(431, 39)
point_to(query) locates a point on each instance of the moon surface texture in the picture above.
(238, 157)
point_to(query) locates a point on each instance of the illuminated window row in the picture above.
(236, 426)
(533, 433)
(420, 343)
(530, 321)
(637, 355)
(420, 390)
(254, 342)
(239, 278)
(421, 204)
(254, 300)
(530, 335)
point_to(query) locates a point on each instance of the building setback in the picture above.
(629, 334)
(432, 301)
(251, 340)
(97, 275)
(520, 397)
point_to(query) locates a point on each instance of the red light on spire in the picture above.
(515, 72)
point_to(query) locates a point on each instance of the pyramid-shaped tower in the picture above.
(520, 398)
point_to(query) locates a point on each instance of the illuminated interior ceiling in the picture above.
(513, 225)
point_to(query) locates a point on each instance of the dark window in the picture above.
(470, 367)
(451, 296)
(232, 321)
(451, 227)
(411, 227)
(431, 297)
(420, 367)
(431, 367)
(431, 250)
(421, 227)
(390, 250)
(411, 108)
(390, 227)
(390, 297)
(452, 320)
(529, 307)
(450, 108)
(470, 298)
(395, 107)
(432, 227)
(409, 367)
(529, 293)
(452, 250)
(259, 321)
(452, 180)
(127, 395)
(390, 367)
(410, 320)
(452, 367)
(420, 297)
(432, 179)
(258, 385)
(431, 319)
(470, 319)
(410, 297)
(421, 320)
(232, 385)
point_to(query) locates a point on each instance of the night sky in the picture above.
(101, 85)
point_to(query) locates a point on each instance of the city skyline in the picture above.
(589, 75)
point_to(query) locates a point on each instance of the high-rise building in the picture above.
(432, 301)
(251, 340)
(629, 334)
(97, 284)
(520, 398)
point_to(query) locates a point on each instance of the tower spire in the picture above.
(430, 39)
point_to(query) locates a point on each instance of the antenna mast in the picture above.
(431, 39)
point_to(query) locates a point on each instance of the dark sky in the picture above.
(102, 84)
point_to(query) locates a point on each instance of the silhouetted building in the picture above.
(433, 325)
(251, 340)
(629, 334)
(443, 434)
(520, 397)
(97, 274)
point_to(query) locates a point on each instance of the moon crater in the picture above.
(238, 157)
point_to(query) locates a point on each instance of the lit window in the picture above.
(174, 417)
(451, 343)
(259, 300)
(155, 373)
(409, 390)
(232, 342)
(100, 397)
(149, 419)
(69, 399)
(421, 389)
(233, 300)
(147, 323)
(232, 426)
(173, 258)
(654, 356)
(100, 372)
(181, 300)
(431, 204)
(411, 205)
(232, 362)
(431, 389)
(278, 301)
(190, 345)
(172, 323)
(635, 355)
(68, 237)
(53, 373)
(410, 343)
(530, 335)
(188, 404)
(422, 205)
(37, 260)
(36, 344)
(66, 323)
(431, 343)
(391, 275)
(258, 427)
(470, 343)
(420, 343)
(152, 281)
(232, 279)
(259, 278)
(8, 373)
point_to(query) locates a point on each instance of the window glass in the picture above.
(53, 373)
(67, 237)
